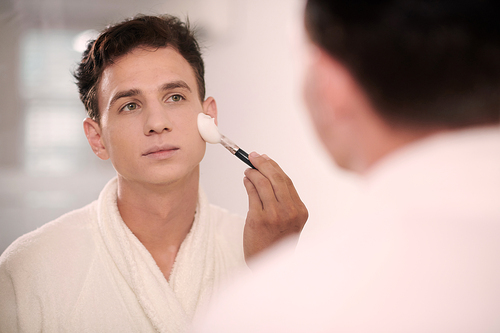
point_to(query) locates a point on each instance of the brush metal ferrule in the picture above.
(236, 151)
(229, 145)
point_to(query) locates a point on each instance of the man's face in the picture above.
(149, 103)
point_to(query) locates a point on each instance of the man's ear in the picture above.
(210, 108)
(338, 86)
(340, 95)
(93, 133)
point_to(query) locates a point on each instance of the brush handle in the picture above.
(242, 155)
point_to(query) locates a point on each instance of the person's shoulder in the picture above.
(228, 232)
(225, 221)
(54, 243)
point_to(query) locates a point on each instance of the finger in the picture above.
(281, 183)
(287, 179)
(263, 187)
(254, 202)
(291, 187)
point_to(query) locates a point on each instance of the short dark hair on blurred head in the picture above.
(421, 62)
(118, 40)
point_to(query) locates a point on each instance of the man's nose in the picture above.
(157, 120)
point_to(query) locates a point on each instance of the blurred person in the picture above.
(406, 94)
(151, 249)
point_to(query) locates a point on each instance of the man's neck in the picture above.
(376, 139)
(160, 216)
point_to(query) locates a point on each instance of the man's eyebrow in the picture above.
(135, 92)
(122, 94)
(175, 84)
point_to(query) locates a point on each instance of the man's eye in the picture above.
(176, 98)
(130, 107)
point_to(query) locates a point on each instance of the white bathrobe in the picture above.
(87, 272)
(421, 253)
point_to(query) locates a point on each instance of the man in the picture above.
(151, 249)
(407, 94)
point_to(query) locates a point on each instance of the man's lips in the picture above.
(163, 151)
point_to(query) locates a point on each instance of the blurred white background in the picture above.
(253, 51)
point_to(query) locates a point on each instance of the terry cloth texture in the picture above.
(87, 272)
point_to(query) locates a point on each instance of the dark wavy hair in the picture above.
(140, 31)
(421, 62)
